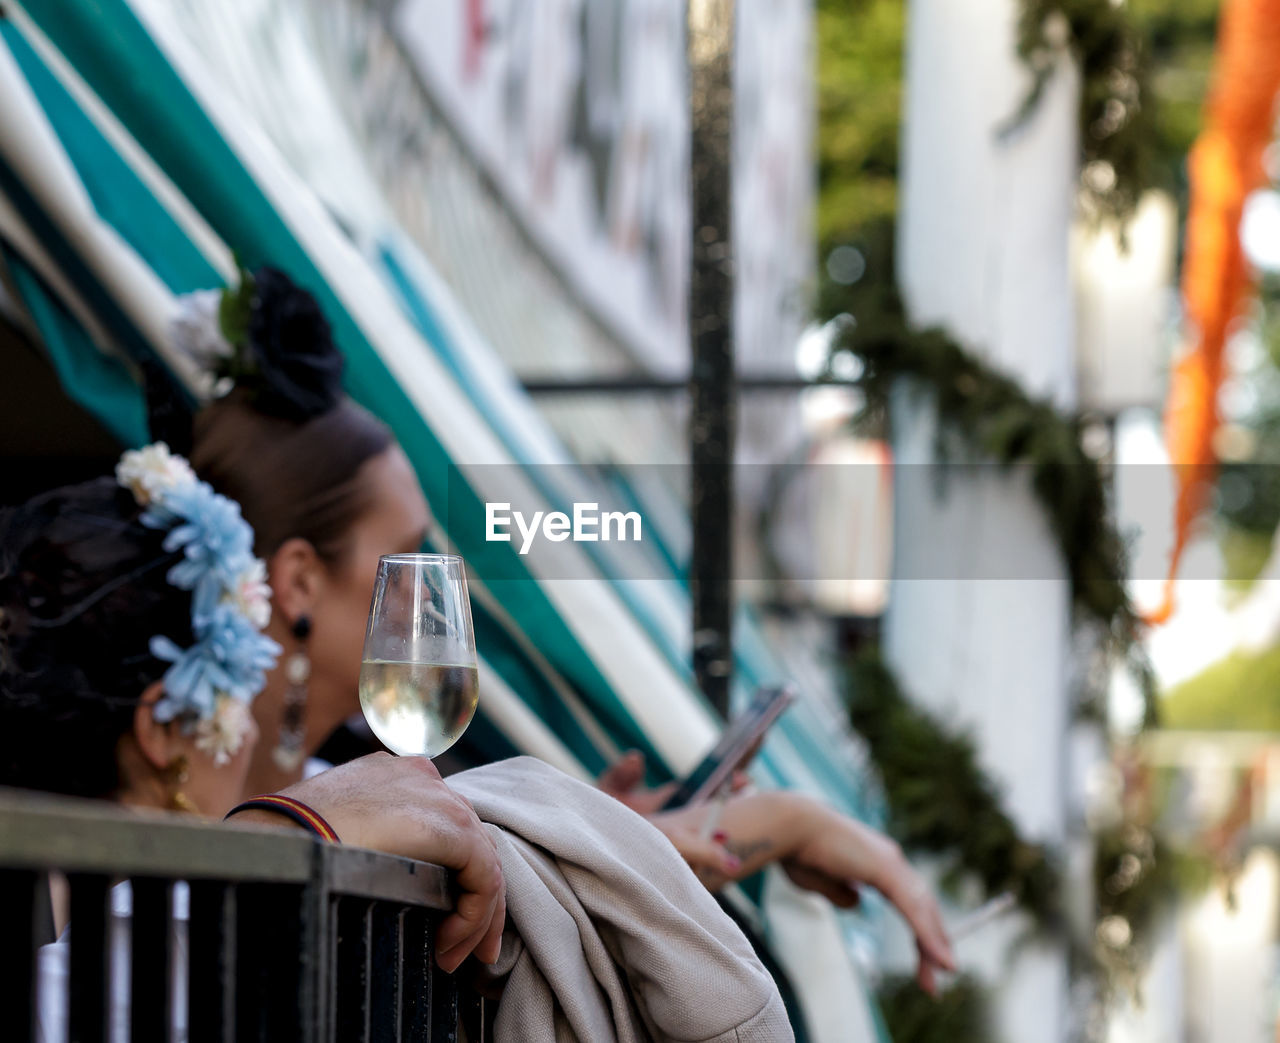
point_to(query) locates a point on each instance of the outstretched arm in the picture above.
(826, 852)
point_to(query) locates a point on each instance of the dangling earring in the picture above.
(288, 753)
(179, 773)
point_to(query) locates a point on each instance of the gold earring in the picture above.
(179, 773)
(290, 749)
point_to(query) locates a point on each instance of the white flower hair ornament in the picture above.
(196, 329)
(267, 337)
(209, 686)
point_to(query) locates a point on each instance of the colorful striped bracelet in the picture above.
(306, 817)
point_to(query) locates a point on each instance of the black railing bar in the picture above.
(629, 385)
(387, 878)
(39, 831)
(316, 926)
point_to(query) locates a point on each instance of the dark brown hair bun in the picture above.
(296, 371)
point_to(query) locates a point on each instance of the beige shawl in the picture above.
(610, 935)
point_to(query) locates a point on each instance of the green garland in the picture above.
(941, 802)
(987, 415)
(996, 419)
(958, 1014)
(1118, 134)
(939, 799)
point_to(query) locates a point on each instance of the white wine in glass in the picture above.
(418, 683)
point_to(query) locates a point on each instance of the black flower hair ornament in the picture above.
(267, 336)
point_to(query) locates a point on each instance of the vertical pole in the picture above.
(712, 382)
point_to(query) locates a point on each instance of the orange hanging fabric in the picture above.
(1225, 165)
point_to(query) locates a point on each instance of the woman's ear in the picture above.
(155, 740)
(295, 573)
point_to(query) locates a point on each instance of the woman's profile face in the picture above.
(394, 523)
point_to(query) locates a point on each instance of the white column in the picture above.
(978, 627)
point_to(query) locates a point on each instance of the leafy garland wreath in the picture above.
(1116, 119)
(989, 415)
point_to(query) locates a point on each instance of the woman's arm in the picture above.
(756, 828)
(823, 851)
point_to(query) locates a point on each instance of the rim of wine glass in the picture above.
(422, 557)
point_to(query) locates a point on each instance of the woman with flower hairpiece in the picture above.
(131, 651)
(328, 490)
(132, 644)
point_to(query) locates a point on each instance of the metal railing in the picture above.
(287, 938)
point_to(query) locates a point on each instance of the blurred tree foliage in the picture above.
(1116, 115)
(1235, 693)
(860, 55)
(1248, 486)
(1179, 36)
(860, 69)
(1139, 877)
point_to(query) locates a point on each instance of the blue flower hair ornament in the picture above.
(209, 685)
(216, 542)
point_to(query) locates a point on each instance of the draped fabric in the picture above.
(614, 938)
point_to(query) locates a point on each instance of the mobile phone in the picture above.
(736, 745)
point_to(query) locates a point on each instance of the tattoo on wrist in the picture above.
(750, 849)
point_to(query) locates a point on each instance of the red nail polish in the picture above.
(719, 836)
(733, 862)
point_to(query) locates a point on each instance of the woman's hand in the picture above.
(624, 781)
(837, 853)
(401, 805)
(707, 856)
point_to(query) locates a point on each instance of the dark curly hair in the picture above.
(82, 592)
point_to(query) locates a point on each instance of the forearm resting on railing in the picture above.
(401, 805)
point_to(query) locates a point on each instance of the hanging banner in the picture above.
(579, 112)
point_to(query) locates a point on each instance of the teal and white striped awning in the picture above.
(127, 177)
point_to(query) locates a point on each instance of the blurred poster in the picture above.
(578, 112)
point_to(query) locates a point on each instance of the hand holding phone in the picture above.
(738, 744)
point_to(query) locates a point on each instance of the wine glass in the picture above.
(418, 681)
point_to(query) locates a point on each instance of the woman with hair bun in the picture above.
(325, 486)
